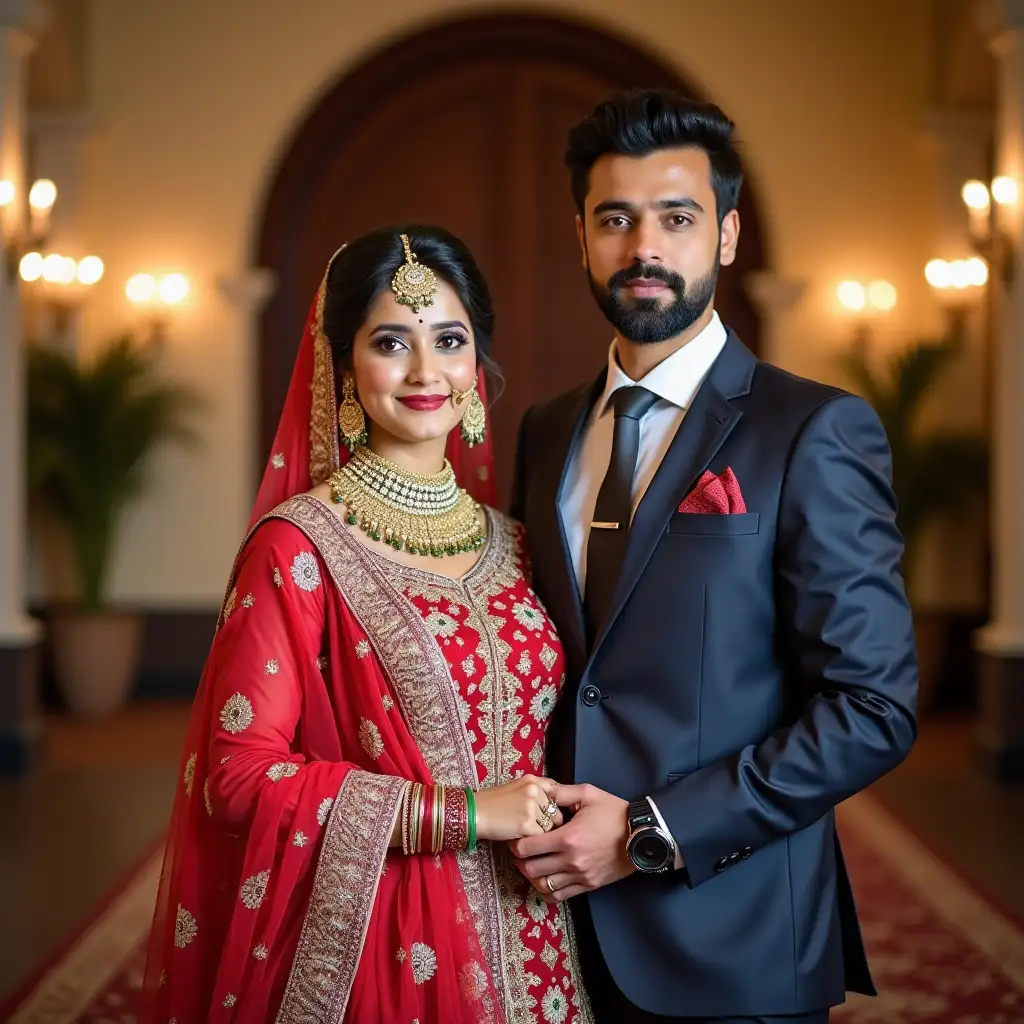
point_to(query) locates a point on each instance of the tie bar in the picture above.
(605, 526)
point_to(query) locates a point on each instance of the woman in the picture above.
(370, 726)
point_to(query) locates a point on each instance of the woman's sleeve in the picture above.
(269, 641)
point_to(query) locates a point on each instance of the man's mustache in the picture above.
(648, 272)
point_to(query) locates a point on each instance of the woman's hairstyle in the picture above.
(366, 266)
(647, 120)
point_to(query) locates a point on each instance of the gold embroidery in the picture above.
(324, 456)
(400, 955)
(344, 890)
(363, 648)
(248, 601)
(260, 952)
(206, 798)
(548, 657)
(229, 605)
(185, 928)
(554, 1006)
(424, 962)
(236, 715)
(277, 460)
(254, 888)
(282, 770)
(278, 578)
(272, 667)
(190, 773)
(229, 1000)
(299, 839)
(387, 702)
(369, 739)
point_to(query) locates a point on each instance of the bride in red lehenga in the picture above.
(370, 725)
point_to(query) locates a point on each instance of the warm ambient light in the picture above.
(881, 295)
(975, 195)
(6, 193)
(42, 195)
(90, 270)
(852, 295)
(59, 269)
(1004, 190)
(173, 289)
(958, 274)
(140, 288)
(31, 266)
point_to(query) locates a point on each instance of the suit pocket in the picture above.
(676, 776)
(703, 524)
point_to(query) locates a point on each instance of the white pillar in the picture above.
(20, 23)
(1000, 733)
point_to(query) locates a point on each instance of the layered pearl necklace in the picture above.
(424, 515)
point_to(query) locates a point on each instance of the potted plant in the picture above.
(936, 473)
(91, 430)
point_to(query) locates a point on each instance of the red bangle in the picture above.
(456, 820)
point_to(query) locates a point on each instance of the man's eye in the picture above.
(616, 221)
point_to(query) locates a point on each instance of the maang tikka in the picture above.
(474, 423)
(351, 418)
(414, 285)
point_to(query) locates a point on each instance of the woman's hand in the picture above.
(516, 809)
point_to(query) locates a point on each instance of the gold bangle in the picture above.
(417, 817)
(439, 801)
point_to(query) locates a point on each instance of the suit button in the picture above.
(722, 865)
(734, 858)
(591, 695)
(747, 851)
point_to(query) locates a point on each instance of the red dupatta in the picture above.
(278, 900)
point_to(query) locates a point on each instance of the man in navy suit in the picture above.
(716, 541)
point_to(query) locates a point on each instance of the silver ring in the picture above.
(551, 809)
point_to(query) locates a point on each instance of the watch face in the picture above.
(649, 851)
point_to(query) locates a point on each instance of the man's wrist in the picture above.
(650, 846)
(678, 858)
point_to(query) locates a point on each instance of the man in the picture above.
(716, 541)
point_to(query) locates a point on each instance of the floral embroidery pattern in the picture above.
(299, 839)
(442, 625)
(254, 888)
(272, 667)
(278, 578)
(206, 798)
(260, 952)
(554, 1006)
(387, 702)
(543, 702)
(548, 657)
(248, 601)
(305, 571)
(236, 715)
(527, 616)
(282, 770)
(369, 739)
(229, 1000)
(424, 962)
(185, 928)
(277, 460)
(363, 649)
(324, 810)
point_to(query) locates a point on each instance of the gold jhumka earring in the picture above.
(474, 423)
(351, 418)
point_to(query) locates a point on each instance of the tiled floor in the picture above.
(104, 795)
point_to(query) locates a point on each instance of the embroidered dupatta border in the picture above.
(427, 698)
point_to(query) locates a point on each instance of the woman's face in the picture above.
(406, 364)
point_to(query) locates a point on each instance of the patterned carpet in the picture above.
(941, 953)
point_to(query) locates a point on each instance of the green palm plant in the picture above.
(936, 474)
(91, 429)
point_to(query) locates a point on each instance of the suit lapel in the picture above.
(552, 555)
(710, 419)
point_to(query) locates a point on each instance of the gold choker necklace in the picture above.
(424, 515)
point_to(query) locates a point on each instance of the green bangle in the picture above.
(471, 815)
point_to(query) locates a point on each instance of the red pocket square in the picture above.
(717, 495)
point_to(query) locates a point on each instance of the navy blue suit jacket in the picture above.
(757, 669)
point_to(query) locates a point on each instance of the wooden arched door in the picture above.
(464, 125)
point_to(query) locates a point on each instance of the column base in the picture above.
(20, 721)
(999, 732)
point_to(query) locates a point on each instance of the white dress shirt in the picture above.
(675, 381)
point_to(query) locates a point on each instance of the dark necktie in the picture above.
(609, 531)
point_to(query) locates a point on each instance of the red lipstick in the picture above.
(424, 403)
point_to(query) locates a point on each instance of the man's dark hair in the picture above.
(646, 120)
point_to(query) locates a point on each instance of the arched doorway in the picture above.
(464, 125)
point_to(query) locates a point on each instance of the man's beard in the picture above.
(646, 321)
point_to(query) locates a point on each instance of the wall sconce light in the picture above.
(62, 282)
(988, 238)
(156, 297)
(865, 301)
(957, 284)
(17, 243)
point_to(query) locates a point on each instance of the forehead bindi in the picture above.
(667, 174)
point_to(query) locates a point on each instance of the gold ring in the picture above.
(549, 884)
(545, 823)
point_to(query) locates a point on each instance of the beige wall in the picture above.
(196, 102)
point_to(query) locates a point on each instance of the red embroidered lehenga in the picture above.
(336, 674)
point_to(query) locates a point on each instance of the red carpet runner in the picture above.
(941, 954)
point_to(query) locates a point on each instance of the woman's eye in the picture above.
(449, 342)
(389, 344)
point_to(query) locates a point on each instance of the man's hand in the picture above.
(585, 854)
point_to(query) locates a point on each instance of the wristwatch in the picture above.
(650, 848)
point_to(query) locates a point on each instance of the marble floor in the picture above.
(103, 796)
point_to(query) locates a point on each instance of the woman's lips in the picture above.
(424, 403)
